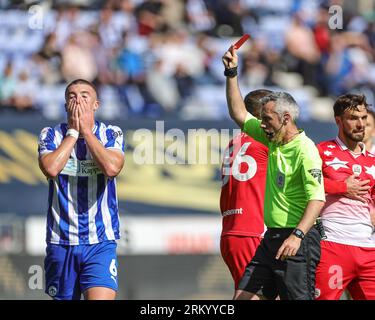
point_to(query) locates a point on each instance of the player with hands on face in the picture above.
(81, 159)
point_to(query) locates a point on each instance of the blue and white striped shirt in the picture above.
(82, 201)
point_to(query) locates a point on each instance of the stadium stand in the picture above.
(160, 59)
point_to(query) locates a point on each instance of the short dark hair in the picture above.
(349, 101)
(80, 81)
(252, 101)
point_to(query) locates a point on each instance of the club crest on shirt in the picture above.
(357, 169)
(280, 179)
(317, 174)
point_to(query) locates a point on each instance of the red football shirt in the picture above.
(345, 220)
(243, 185)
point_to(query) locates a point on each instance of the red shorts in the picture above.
(237, 252)
(345, 267)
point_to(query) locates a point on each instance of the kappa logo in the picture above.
(52, 291)
(317, 293)
(317, 174)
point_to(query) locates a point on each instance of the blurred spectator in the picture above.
(48, 61)
(104, 60)
(370, 34)
(24, 96)
(130, 76)
(322, 39)
(111, 27)
(253, 73)
(149, 17)
(172, 51)
(338, 66)
(17, 92)
(301, 46)
(172, 12)
(198, 17)
(8, 85)
(350, 63)
(228, 14)
(78, 60)
(321, 30)
(162, 87)
(67, 22)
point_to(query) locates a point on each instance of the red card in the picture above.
(240, 42)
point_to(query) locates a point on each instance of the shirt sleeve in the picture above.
(252, 128)
(115, 139)
(334, 187)
(331, 186)
(312, 174)
(46, 141)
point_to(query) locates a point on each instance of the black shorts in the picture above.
(291, 279)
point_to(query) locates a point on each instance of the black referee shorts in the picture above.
(291, 279)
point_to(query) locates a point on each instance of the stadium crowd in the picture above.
(158, 57)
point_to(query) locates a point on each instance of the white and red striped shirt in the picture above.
(345, 220)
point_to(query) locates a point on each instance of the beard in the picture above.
(355, 136)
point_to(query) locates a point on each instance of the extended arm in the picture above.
(236, 105)
(53, 162)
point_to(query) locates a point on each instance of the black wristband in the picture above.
(230, 72)
(299, 233)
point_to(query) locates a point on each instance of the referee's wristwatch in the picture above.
(298, 233)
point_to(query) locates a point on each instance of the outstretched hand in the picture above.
(230, 58)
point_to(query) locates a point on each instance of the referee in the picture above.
(286, 259)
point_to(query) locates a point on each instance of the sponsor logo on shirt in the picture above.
(232, 211)
(83, 168)
(280, 179)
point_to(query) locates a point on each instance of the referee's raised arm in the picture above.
(236, 105)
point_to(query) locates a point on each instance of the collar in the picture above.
(343, 146)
